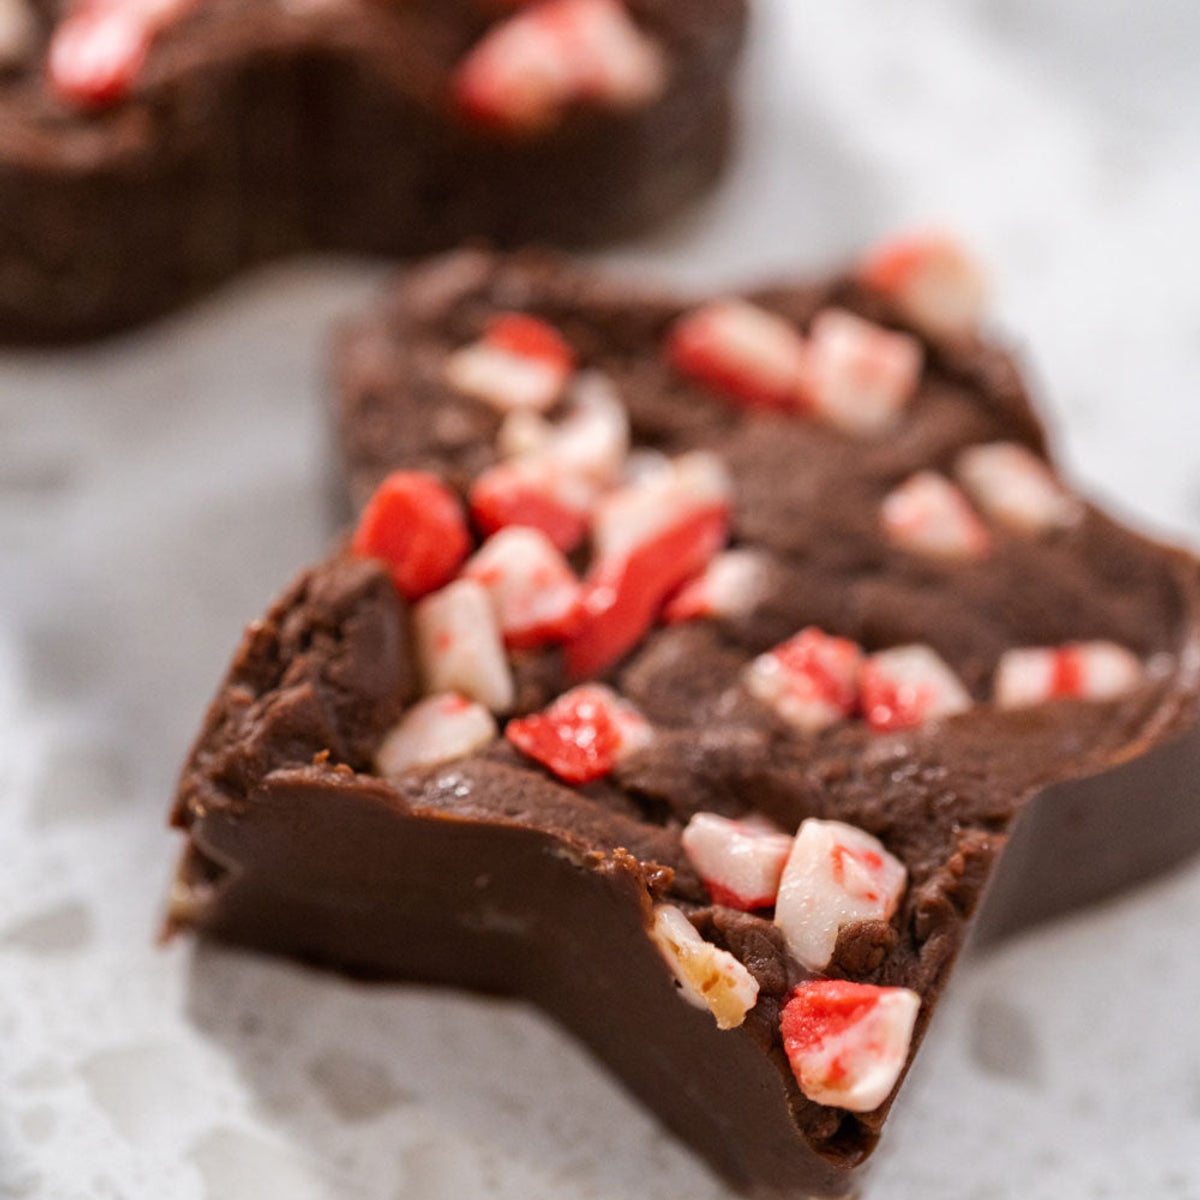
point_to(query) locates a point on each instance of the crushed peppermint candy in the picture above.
(414, 524)
(1081, 671)
(860, 376)
(525, 72)
(931, 279)
(1014, 487)
(591, 442)
(96, 54)
(531, 585)
(437, 729)
(708, 977)
(536, 492)
(737, 348)
(739, 862)
(521, 364)
(811, 680)
(836, 874)
(847, 1043)
(928, 515)
(906, 686)
(459, 645)
(730, 586)
(649, 538)
(583, 734)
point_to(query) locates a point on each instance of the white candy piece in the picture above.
(811, 680)
(592, 440)
(531, 585)
(1013, 486)
(523, 434)
(1082, 671)
(928, 515)
(17, 31)
(615, 62)
(851, 1063)
(835, 875)
(730, 586)
(436, 730)
(637, 513)
(708, 977)
(739, 862)
(507, 380)
(932, 279)
(860, 376)
(908, 685)
(459, 645)
(756, 355)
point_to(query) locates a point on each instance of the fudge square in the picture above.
(701, 670)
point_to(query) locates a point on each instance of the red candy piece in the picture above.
(96, 54)
(621, 602)
(744, 351)
(415, 524)
(529, 337)
(582, 735)
(531, 493)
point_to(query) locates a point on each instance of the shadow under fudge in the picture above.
(490, 873)
(255, 130)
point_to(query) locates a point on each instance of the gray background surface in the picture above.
(156, 491)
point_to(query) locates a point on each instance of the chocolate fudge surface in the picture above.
(492, 872)
(134, 177)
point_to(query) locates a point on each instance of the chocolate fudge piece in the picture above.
(151, 148)
(701, 671)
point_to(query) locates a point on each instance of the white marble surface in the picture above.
(156, 491)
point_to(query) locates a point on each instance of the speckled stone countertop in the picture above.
(156, 491)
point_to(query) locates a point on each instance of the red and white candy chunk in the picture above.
(96, 54)
(649, 537)
(532, 588)
(591, 441)
(533, 491)
(18, 31)
(811, 680)
(583, 734)
(1016, 488)
(835, 875)
(459, 645)
(739, 862)
(904, 687)
(848, 1042)
(1080, 671)
(742, 350)
(730, 586)
(928, 515)
(524, 73)
(931, 279)
(708, 977)
(520, 364)
(860, 376)
(436, 730)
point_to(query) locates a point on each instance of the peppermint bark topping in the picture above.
(707, 976)
(459, 645)
(437, 729)
(520, 364)
(730, 586)
(907, 686)
(811, 680)
(583, 734)
(1016, 488)
(932, 280)
(928, 515)
(524, 74)
(836, 874)
(848, 1042)
(740, 862)
(1079, 671)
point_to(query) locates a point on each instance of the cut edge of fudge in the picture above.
(375, 794)
(201, 139)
